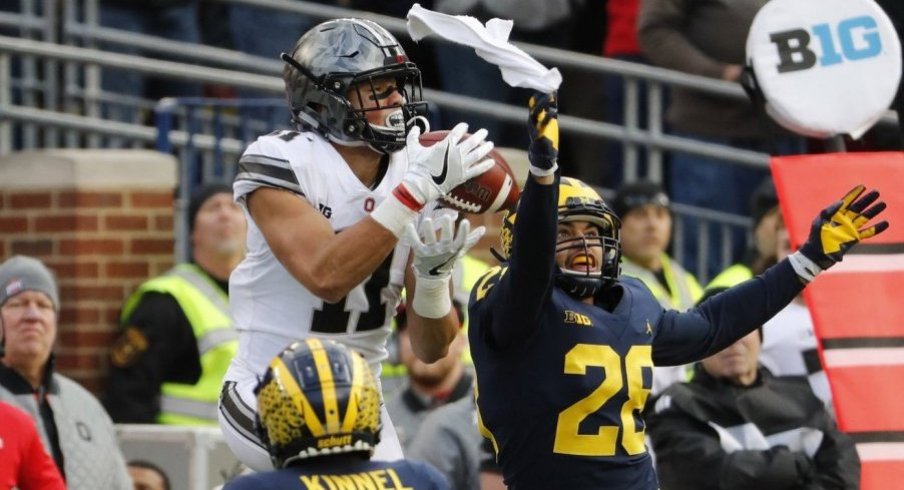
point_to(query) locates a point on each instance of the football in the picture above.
(493, 191)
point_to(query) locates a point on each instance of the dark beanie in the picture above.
(200, 196)
(764, 198)
(637, 195)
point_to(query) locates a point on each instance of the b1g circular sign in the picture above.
(825, 67)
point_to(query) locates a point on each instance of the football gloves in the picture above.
(436, 170)
(543, 127)
(435, 258)
(838, 228)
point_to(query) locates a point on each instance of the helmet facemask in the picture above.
(578, 202)
(586, 283)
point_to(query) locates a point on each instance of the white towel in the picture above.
(490, 42)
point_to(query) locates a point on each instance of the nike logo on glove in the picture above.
(439, 179)
(435, 270)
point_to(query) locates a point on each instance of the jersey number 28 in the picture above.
(568, 438)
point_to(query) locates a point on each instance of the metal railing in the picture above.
(62, 103)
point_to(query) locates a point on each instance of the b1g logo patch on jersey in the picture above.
(825, 67)
(577, 319)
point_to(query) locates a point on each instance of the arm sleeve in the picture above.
(836, 461)
(682, 338)
(524, 289)
(689, 456)
(170, 354)
(38, 470)
(660, 25)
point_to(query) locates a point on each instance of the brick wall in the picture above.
(103, 222)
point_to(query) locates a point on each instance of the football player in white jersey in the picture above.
(326, 206)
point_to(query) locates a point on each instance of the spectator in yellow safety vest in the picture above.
(177, 338)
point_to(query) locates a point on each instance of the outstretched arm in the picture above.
(722, 319)
(524, 288)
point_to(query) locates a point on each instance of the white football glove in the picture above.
(436, 170)
(435, 259)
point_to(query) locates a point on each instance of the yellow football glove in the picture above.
(543, 127)
(842, 225)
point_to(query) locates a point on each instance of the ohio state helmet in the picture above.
(342, 54)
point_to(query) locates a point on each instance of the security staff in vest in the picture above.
(645, 234)
(74, 428)
(177, 339)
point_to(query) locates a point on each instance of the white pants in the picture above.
(237, 414)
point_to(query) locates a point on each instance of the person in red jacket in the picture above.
(23, 462)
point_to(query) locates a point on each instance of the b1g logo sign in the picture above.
(825, 67)
(851, 39)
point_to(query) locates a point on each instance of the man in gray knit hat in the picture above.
(74, 428)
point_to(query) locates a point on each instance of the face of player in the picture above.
(645, 233)
(219, 226)
(578, 247)
(29, 324)
(379, 92)
(737, 362)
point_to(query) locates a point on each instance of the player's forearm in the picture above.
(533, 256)
(430, 337)
(344, 261)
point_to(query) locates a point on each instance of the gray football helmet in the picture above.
(350, 53)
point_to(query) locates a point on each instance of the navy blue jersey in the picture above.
(329, 475)
(562, 384)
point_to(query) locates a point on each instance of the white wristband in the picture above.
(805, 268)
(544, 172)
(431, 297)
(393, 215)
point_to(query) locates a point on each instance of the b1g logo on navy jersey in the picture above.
(825, 67)
(852, 39)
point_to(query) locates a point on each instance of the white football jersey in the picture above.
(269, 307)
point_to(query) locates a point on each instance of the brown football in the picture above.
(493, 191)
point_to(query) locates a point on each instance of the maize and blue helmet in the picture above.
(317, 398)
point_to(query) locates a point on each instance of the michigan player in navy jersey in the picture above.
(319, 417)
(564, 347)
(326, 205)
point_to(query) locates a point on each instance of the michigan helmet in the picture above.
(342, 54)
(579, 202)
(317, 398)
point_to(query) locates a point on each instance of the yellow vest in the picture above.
(731, 276)
(207, 309)
(684, 290)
